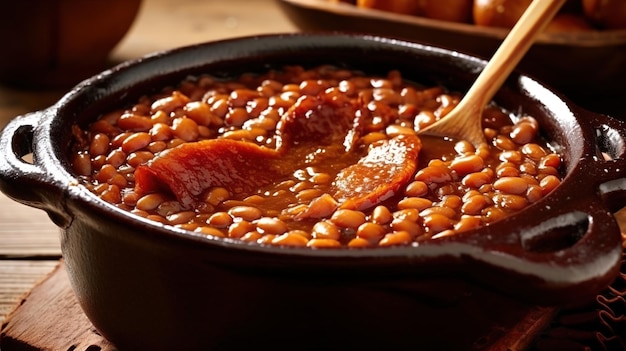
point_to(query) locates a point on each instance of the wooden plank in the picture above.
(26, 231)
(49, 318)
(17, 278)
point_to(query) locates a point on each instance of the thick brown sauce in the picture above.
(453, 187)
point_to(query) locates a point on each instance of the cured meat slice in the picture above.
(379, 175)
(191, 168)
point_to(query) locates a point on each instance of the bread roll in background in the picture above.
(607, 14)
(569, 22)
(498, 13)
(405, 7)
(447, 10)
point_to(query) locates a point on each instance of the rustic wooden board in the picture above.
(49, 318)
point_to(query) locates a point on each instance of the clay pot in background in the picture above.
(58, 43)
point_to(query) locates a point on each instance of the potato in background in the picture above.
(447, 10)
(609, 14)
(498, 13)
(405, 7)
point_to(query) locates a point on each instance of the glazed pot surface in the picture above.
(149, 286)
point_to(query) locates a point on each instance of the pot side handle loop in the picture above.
(27, 181)
(611, 168)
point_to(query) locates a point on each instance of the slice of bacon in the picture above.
(326, 119)
(191, 168)
(378, 175)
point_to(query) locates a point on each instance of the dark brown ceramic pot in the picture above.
(146, 286)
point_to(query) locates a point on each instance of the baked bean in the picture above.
(492, 214)
(358, 242)
(550, 160)
(475, 204)
(371, 231)
(290, 239)
(467, 164)
(405, 225)
(424, 119)
(523, 133)
(504, 143)
(111, 194)
(533, 151)
(156, 146)
(549, 183)
(451, 201)
(102, 126)
(99, 144)
(547, 170)
(410, 214)
(325, 230)
(185, 129)
(395, 130)
(434, 174)
(220, 220)
(161, 132)
(240, 97)
(211, 231)
(373, 137)
(271, 225)
(507, 171)
(467, 223)
(135, 142)
(348, 218)
(514, 157)
(159, 117)
(509, 201)
(134, 123)
(81, 164)
(169, 103)
(417, 203)
(199, 112)
(217, 195)
(511, 185)
(437, 222)
(247, 213)
(219, 107)
(534, 193)
(150, 201)
(253, 236)
(180, 217)
(456, 187)
(381, 215)
(476, 180)
(439, 209)
(528, 168)
(321, 243)
(395, 238)
(239, 228)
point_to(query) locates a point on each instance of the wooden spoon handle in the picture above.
(513, 48)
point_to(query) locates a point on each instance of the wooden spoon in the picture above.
(465, 120)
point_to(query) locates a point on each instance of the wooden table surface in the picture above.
(29, 241)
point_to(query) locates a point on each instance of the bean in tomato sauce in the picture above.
(320, 157)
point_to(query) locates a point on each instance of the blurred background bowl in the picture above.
(587, 65)
(57, 43)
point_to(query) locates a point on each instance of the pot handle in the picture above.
(611, 141)
(570, 239)
(28, 182)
